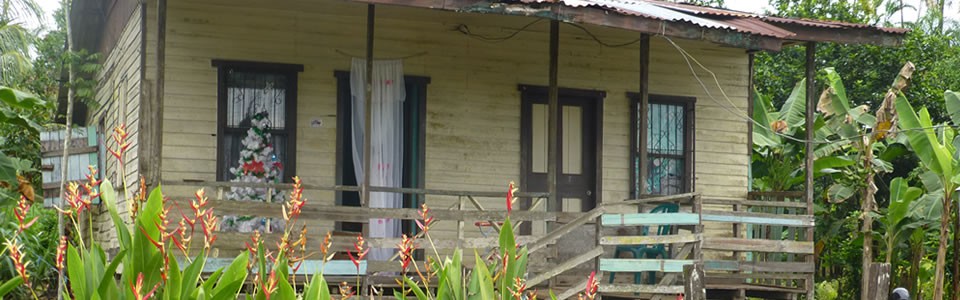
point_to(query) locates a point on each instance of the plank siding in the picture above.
(119, 98)
(473, 105)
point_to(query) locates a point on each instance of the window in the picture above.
(665, 135)
(244, 90)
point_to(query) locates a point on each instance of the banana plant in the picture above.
(936, 146)
(865, 139)
(898, 222)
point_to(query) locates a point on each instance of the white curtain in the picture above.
(386, 140)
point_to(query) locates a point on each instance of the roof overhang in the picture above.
(726, 27)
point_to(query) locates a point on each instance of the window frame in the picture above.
(291, 71)
(638, 133)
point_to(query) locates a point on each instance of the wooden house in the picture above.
(596, 108)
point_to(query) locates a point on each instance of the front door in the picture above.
(577, 144)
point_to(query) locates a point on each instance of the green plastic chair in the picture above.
(649, 251)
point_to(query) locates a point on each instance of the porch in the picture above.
(759, 248)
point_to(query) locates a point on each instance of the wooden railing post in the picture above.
(693, 288)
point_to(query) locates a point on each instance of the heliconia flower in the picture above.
(137, 289)
(325, 247)
(20, 212)
(519, 286)
(16, 255)
(590, 292)
(209, 225)
(361, 252)
(510, 199)
(291, 210)
(61, 253)
(405, 248)
(425, 218)
(532, 295)
(119, 136)
(345, 291)
(271, 284)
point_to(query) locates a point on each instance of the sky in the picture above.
(48, 7)
(759, 6)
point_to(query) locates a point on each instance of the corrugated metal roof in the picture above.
(713, 18)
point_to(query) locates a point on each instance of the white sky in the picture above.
(759, 6)
(48, 7)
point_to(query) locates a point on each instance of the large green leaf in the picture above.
(953, 105)
(901, 196)
(927, 207)
(233, 276)
(10, 165)
(839, 103)
(484, 279)
(762, 135)
(191, 275)
(19, 99)
(793, 110)
(919, 131)
(75, 273)
(9, 116)
(839, 192)
(9, 286)
(830, 162)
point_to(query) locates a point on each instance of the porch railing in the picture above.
(766, 252)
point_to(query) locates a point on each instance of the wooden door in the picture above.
(578, 142)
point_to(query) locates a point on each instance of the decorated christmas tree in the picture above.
(257, 164)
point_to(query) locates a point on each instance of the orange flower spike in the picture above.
(425, 218)
(137, 289)
(20, 212)
(345, 291)
(519, 286)
(271, 285)
(294, 206)
(325, 247)
(16, 255)
(61, 253)
(361, 252)
(209, 224)
(406, 248)
(120, 137)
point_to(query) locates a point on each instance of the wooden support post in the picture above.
(642, 112)
(367, 124)
(879, 281)
(693, 288)
(811, 73)
(367, 119)
(155, 132)
(553, 119)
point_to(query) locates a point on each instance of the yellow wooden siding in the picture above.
(473, 105)
(118, 95)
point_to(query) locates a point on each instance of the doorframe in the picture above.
(341, 138)
(527, 93)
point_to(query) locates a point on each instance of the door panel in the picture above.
(576, 159)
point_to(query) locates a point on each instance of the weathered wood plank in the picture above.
(567, 265)
(758, 218)
(785, 267)
(360, 214)
(564, 229)
(573, 290)
(683, 198)
(650, 219)
(309, 267)
(641, 288)
(758, 245)
(755, 203)
(650, 239)
(641, 265)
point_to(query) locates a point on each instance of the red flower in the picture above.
(406, 248)
(16, 255)
(255, 167)
(20, 212)
(590, 292)
(510, 198)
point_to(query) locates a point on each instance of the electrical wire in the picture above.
(736, 111)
